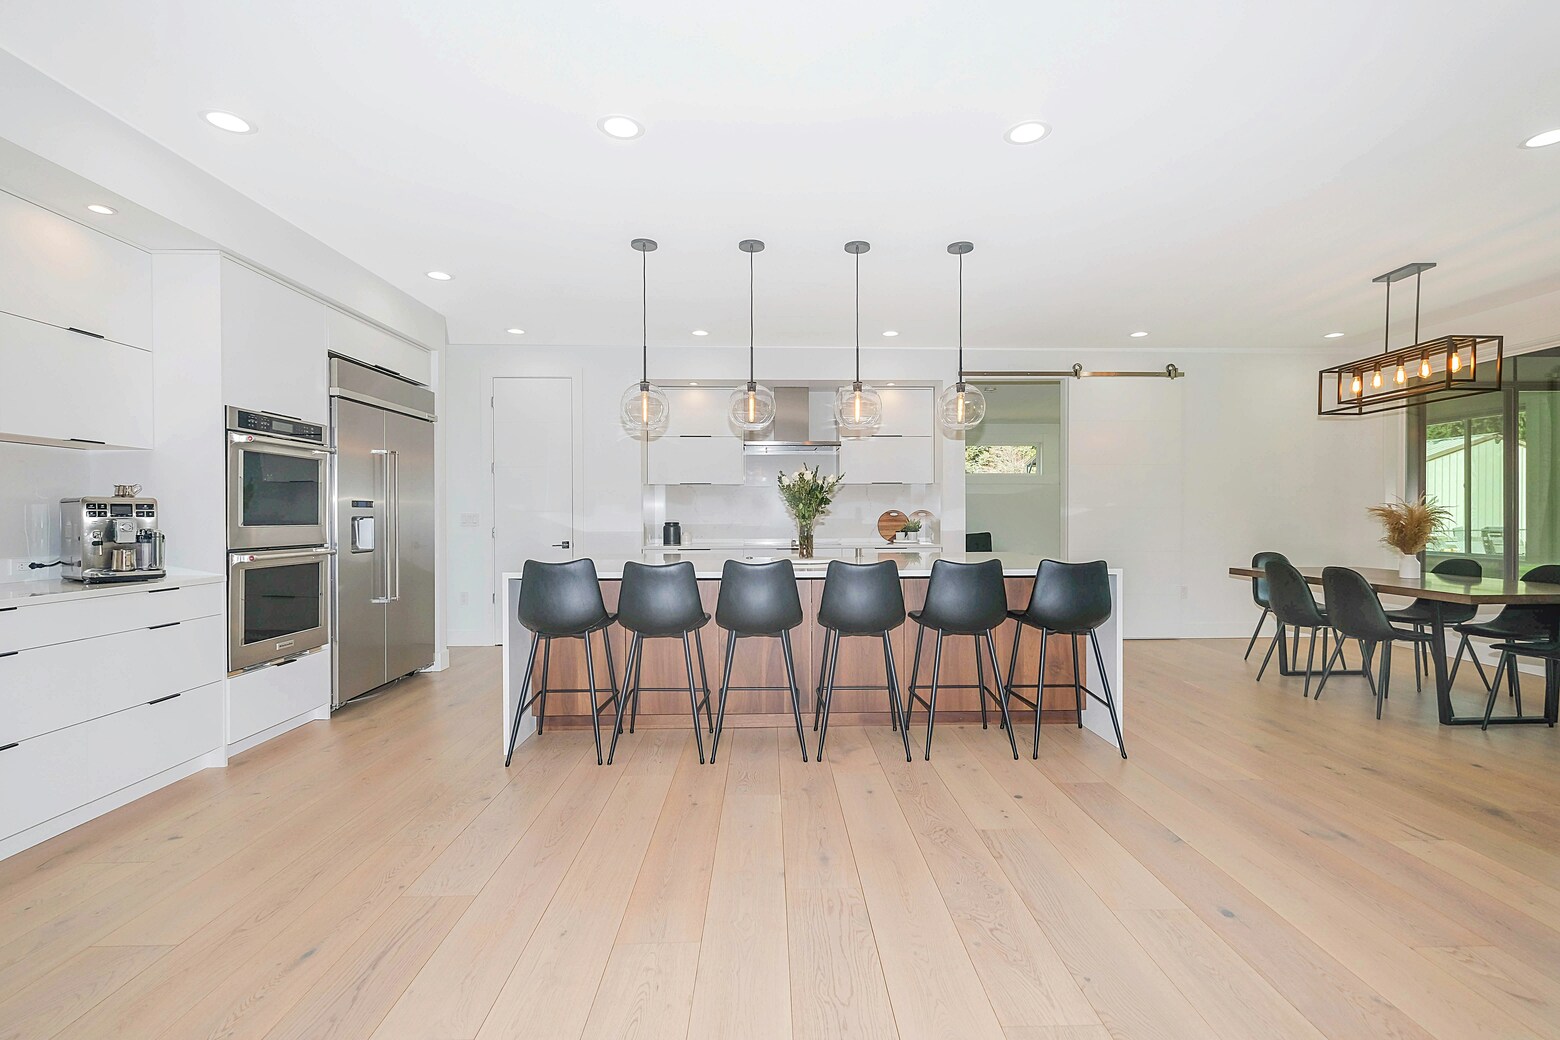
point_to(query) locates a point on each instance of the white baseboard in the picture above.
(42, 832)
(256, 739)
(441, 661)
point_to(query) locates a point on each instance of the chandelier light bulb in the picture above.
(1455, 362)
(1375, 380)
(1424, 368)
(1401, 375)
(1357, 385)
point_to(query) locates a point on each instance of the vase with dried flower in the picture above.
(1408, 528)
(807, 497)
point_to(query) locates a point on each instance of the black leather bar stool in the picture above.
(859, 599)
(758, 599)
(1420, 612)
(1355, 612)
(962, 599)
(1069, 599)
(662, 602)
(562, 601)
(1259, 594)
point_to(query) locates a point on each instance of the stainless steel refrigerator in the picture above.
(383, 601)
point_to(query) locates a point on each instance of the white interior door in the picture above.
(533, 472)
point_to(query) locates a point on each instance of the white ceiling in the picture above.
(1220, 173)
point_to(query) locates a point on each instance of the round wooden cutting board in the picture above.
(890, 524)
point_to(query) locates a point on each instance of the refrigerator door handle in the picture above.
(381, 555)
(395, 512)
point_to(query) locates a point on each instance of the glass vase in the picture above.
(804, 540)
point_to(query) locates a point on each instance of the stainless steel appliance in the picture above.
(101, 539)
(278, 604)
(278, 481)
(382, 429)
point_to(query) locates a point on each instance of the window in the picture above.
(1014, 459)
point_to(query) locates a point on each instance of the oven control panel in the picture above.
(275, 426)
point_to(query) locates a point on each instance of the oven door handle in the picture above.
(301, 449)
(266, 556)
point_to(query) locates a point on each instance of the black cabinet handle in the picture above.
(151, 592)
(159, 700)
(84, 332)
(9, 746)
(10, 653)
(84, 440)
(166, 624)
(4, 610)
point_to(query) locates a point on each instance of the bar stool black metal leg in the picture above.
(980, 683)
(1110, 701)
(1078, 681)
(823, 670)
(1255, 632)
(639, 669)
(617, 694)
(693, 697)
(1045, 638)
(1002, 705)
(595, 708)
(895, 708)
(828, 693)
(915, 671)
(704, 679)
(628, 670)
(541, 691)
(725, 688)
(1012, 672)
(796, 694)
(931, 702)
(520, 702)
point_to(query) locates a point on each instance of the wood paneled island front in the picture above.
(759, 662)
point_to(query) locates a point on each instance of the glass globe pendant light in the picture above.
(645, 409)
(858, 408)
(752, 406)
(961, 406)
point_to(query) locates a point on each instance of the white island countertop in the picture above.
(53, 590)
(911, 564)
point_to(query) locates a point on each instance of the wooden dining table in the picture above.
(1439, 591)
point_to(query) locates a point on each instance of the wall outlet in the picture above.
(470, 519)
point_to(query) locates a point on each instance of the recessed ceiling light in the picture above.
(229, 122)
(890, 333)
(888, 384)
(693, 382)
(440, 276)
(1027, 132)
(514, 332)
(700, 332)
(620, 127)
(1332, 335)
(107, 211)
(1540, 140)
(1139, 335)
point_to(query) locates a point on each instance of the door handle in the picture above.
(395, 530)
(561, 545)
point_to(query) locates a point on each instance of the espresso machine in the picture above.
(113, 538)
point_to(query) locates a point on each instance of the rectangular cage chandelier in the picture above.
(1440, 369)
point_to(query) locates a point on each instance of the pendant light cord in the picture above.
(1417, 276)
(961, 317)
(644, 316)
(750, 319)
(1386, 325)
(858, 317)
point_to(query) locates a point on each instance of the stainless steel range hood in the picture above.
(791, 433)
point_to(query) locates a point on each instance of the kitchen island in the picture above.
(759, 662)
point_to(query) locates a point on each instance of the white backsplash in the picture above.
(33, 479)
(755, 511)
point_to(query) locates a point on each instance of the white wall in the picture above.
(33, 479)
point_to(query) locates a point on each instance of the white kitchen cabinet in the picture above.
(363, 342)
(274, 346)
(907, 411)
(694, 460)
(698, 411)
(127, 608)
(57, 271)
(67, 388)
(270, 696)
(887, 459)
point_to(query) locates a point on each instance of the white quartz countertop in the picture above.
(54, 590)
(911, 564)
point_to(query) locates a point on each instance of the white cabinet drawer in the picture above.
(51, 687)
(694, 460)
(363, 342)
(64, 621)
(60, 272)
(268, 697)
(59, 771)
(63, 387)
(884, 459)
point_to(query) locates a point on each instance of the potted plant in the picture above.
(807, 497)
(1408, 528)
(912, 527)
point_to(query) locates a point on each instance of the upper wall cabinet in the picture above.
(68, 388)
(907, 411)
(59, 272)
(698, 411)
(363, 342)
(273, 346)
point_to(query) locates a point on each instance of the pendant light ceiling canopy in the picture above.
(1440, 369)
(753, 405)
(644, 408)
(961, 406)
(858, 408)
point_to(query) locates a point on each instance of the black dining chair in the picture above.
(1294, 606)
(662, 602)
(859, 599)
(1068, 599)
(1549, 653)
(1420, 612)
(962, 599)
(758, 599)
(1259, 594)
(562, 601)
(1514, 624)
(1355, 612)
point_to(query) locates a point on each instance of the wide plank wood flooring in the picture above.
(1264, 866)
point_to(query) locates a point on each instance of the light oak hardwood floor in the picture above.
(1263, 866)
